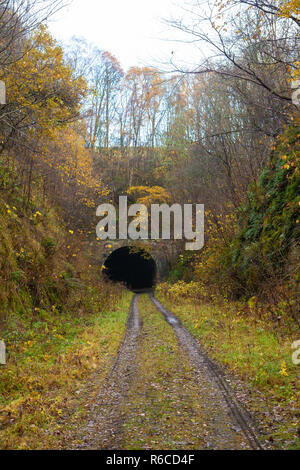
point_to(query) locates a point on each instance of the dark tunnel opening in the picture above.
(131, 266)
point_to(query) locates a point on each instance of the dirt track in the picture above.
(227, 413)
(227, 424)
(104, 427)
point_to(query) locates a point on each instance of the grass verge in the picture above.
(51, 363)
(255, 351)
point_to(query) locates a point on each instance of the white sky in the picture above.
(131, 30)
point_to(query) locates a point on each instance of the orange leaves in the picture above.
(146, 88)
(112, 61)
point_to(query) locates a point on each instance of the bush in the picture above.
(49, 244)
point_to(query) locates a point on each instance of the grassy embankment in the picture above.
(59, 321)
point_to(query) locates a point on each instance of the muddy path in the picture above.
(163, 392)
(227, 413)
(105, 417)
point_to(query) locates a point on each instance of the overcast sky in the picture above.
(132, 30)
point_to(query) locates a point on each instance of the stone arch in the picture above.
(132, 266)
(164, 253)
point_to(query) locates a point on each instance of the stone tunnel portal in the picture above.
(131, 266)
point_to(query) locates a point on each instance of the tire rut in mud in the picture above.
(227, 414)
(105, 420)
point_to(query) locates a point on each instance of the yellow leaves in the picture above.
(72, 161)
(288, 8)
(41, 86)
(148, 195)
(252, 302)
(286, 166)
(283, 369)
(182, 289)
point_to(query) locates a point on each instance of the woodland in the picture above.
(77, 131)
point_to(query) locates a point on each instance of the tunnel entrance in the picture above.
(132, 266)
